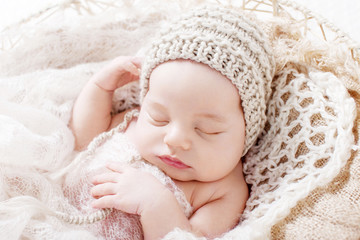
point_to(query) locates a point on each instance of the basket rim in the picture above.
(274, 7)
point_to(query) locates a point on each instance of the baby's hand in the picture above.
(120, 71)
(127, 189)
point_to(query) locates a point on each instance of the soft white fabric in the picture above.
(41, 172)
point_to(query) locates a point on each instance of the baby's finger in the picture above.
(112, 201)
(132, 68)
(116, 167)
(137, 61)
(104, 202)
(103, 190)
(106, 177)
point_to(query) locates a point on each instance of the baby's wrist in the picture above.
(103, 82)
(159, 219)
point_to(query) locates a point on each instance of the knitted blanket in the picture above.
(304, 170)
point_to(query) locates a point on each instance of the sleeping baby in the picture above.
(204, 86)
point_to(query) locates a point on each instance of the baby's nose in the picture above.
(178, 138)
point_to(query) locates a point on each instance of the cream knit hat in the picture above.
(228, 42)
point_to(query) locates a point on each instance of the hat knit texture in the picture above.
(228, 42)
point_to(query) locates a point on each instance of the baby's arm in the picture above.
(91, 113)
(220, 215)
(136, 192)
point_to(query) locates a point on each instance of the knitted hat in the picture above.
(228, 42)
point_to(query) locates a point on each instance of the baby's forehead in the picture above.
(186, 80)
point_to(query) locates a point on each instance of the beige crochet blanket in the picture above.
(304, 171)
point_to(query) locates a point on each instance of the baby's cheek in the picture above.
(146, 138)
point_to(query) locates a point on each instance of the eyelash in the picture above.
(159, 123)
(208, 133)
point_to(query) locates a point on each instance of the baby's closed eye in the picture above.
(209, 131)
(157, 119)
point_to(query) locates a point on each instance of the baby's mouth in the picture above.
(174, 162)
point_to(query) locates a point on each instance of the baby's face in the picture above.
(191, 124)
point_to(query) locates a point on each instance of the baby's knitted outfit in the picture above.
(228, 42)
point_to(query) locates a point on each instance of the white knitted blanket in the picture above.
(307, 140)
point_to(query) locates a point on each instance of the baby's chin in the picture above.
(188, 177)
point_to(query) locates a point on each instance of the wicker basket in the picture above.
(313, 25)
